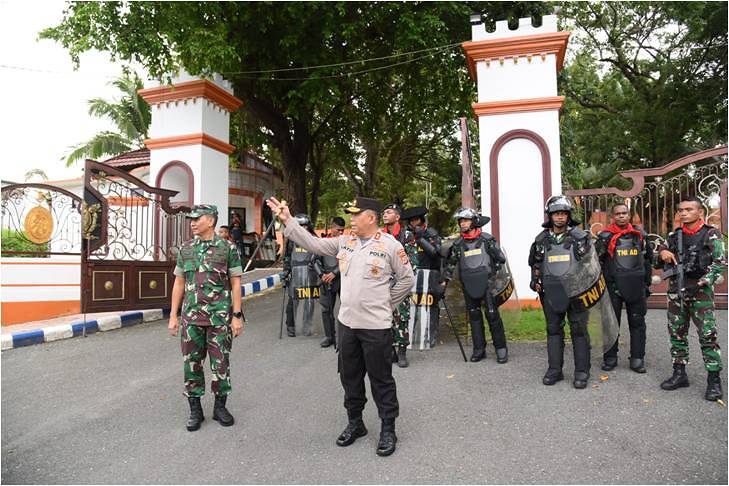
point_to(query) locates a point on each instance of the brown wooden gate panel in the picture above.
(653, 200)
(131, 238)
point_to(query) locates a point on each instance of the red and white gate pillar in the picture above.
(189, 137)
(518, 118)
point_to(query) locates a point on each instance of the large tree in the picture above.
(299, 67)
(646, 83)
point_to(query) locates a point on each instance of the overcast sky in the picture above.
(44, 101)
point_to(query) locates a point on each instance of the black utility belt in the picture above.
(587, 299)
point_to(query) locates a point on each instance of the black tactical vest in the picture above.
(425, 260)
(300, 256)
(474, 267)
(697, 256)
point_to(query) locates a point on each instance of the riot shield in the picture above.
(504, 295)
(424, 309)
(305, 291)
(588, 291)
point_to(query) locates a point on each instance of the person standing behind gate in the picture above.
(700, 249)
(207, 276)
(626, 258)
(376, 276)
(327, 268)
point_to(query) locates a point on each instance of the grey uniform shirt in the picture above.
(367, 270)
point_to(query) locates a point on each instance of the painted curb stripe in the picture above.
(65, 331)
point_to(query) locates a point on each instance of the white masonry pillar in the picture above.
(518, 118)
(189, 137)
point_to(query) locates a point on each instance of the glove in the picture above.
(533, 284)
(286, 279)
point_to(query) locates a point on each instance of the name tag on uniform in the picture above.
(558, 258)
(477, 251)
(300, 250)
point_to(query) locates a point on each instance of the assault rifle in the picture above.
(678, 270)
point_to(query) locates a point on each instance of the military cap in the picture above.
(394, 207)
(362, 203)
(416, 212)
(203, 209)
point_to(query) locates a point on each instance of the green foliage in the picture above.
(16, 241)
(646, 83)
(131, 115)
(390, 117)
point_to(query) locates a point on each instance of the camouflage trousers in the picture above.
(400, 319)
(199, 342)
(699, 309)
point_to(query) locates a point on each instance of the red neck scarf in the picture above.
(472, 235)
(618, 232)
(395, 230)
(700, 224)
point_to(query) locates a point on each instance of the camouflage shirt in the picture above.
(207, 266)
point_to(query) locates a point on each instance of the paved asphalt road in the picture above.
(109, 409)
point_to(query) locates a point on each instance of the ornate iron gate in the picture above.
(654, 197)
(131, 236)
(39, 220)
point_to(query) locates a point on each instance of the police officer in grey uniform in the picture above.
(327, 268)
(376, 276)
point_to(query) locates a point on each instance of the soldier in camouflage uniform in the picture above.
(401, 315)
(704, 260)
(208, 275)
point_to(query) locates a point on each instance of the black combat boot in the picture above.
(388, 439)
(678, 380)
(196, 414)
(581, 351)
(713, 387)
(609, 363)
(326, 342)
(555, 352)
(478, 355)
(637, 365)
(290, 331)
(220, 413)
(354, 430)
(502, 355)
(402, 359)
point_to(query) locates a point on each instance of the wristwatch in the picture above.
(238, 314)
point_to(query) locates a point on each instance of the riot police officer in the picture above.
(695, 258)
(327, 269)
(554, 258)
(302, 281)
(626, 258)
(424, 311)
(478, 255)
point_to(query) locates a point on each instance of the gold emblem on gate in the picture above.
(152, 284)
(38, 225)
(108, 285)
